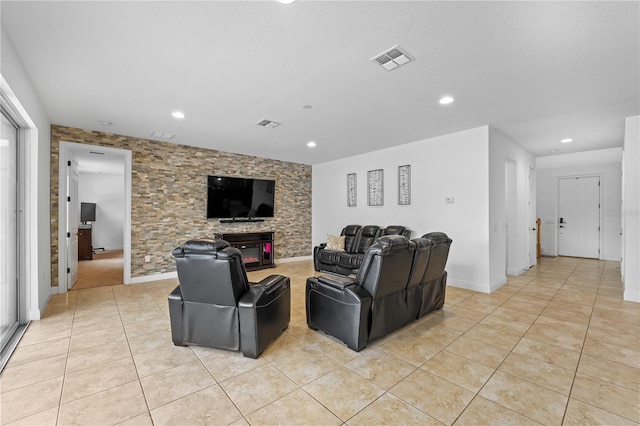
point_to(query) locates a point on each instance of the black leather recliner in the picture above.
(370, 306)
(216, 306)
(327, 260)
(357, 240)
(433, 284)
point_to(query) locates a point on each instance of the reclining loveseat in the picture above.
(399, 281)
(347, 256)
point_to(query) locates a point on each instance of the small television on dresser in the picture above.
(87, 212)
(239, 198)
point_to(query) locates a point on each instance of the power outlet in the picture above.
(147, 258)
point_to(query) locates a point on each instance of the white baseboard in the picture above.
(496, 285)
(611, 258)
(154, 277)
(467, 285)
(294, 259)
(631, 296)
(34, 314)
(516, 272)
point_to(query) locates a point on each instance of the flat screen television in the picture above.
(87, 212)
(235, 197)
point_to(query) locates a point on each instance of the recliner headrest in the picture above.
(370, 230)
(351, 230)
(438, 237)
(200, 246)
(389, 243)
(423, 243)
(394, 230)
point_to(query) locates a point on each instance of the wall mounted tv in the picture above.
(239, 198)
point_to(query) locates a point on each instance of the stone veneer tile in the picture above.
(168, 197)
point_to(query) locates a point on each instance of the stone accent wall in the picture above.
(169, 195)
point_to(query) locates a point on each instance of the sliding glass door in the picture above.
(9, 290)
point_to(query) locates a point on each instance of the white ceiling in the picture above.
(536, 71)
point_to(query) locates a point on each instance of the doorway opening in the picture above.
(511, 217)
(104, 238)
(579, 216)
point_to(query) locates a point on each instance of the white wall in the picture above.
(605, 163)
(503, 151)
(14, 74)
(631, 209)
(454, 165)
(107, 191)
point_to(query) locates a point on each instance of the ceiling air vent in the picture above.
(268, 123)
(392, 58)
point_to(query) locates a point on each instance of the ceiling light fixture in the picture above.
(307, 106)
(178, 114)
(311, 144)
(567, 140)
(553, 150)
(445, 100)
(286, 1)
(106, 123)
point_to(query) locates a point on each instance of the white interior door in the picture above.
(533, 227)
(511, 216)
(579, 216)
(73, 220)
(9, 312)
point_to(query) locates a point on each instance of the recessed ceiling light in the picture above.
(286, 1)
(553, 150)
(307, 106)
(178, 114)
(567, 140)
(106, 123)
(445, 100)
(311, 144)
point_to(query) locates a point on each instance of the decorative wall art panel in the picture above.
(404, 185)
(375, 187)
(352, 190)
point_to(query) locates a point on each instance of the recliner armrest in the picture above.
(269, 285)
(271, 282)
(176, 294)
(264, 311)
(335, 281)
(176, 316)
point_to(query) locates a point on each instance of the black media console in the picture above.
(256, 247)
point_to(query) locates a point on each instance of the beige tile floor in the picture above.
(557, 345)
